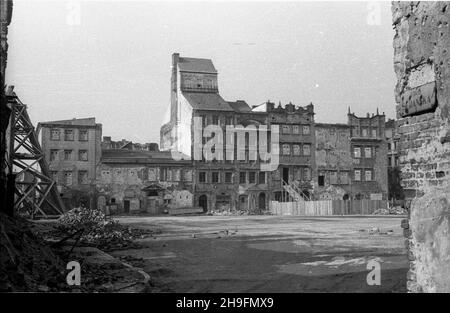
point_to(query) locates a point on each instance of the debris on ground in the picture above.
(397, 210)
(93, 227)
(236, 212)
(27, 263)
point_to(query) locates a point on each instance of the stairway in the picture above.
(293, 191)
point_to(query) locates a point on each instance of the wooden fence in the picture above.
(327, 207)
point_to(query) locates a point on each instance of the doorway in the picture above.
(262, 201)
(286, 174)
(126, 206)
(203, 203)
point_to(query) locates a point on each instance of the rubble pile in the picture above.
(26, 262)
(391, 211)
(94, 228)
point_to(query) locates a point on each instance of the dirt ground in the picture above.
(270, 253)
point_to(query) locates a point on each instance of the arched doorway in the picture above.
(203, 203)
(262, 201)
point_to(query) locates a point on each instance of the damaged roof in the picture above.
(207, 101)
(196, 65)
(140, 156)
(240, 106)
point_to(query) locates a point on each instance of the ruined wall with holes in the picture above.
(422, 66)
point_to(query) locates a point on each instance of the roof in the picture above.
(88, 121)
(240, 106)
(140, 156)
(196, 65)
(207, 101)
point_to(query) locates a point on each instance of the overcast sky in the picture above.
(111, 59)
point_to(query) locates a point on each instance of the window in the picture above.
(296, 149)
(374, 132)
(83, 155)
(204, 122)
(307, 173)
(68, 178)
(364, 132)
(368, 175)
(357, 175)
(83, 178)
(67, 155)
(262, 177)
(53, 155)
(229, 120)
(295, 129)
(54, 176)
(321, 180)
(215, 177)
(163, 174)
(306, 149)
(368, 152)
(343, 177)
(228, 177)
(286, 149)
(242, 178)
(68, 135)
(215, 119)
(202, 177)
(356, 132)
(286, 129)
(306, 130)
(357, 152)
(83, 135)
(251, 177)
(54, 134)
(333, 177)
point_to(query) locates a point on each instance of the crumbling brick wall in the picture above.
(422, 66)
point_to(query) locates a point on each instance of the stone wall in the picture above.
(422, 66)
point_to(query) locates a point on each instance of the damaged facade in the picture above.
(422, 66)
(72, 150)
(143, 181)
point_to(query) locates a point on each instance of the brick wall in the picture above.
(422, 66)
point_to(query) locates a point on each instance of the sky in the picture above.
(112, 59)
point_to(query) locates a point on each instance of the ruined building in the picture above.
(72, 150)
(422, 66)
(351, 158)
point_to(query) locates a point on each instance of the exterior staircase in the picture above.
(294, 191)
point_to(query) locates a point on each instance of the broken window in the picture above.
(295, 129)
(67, 155)
(251, 177)
(55, 176)
(83, 135)
(83, 155)
(357, 152)
(83, 178)
(364, 132)
(163, 174)
(68, 134)
(306, 173)
(286, 129)
(54, 134)
(215, 177)
(333, 178)
(307, 149)
(68, 178)
(242, 178)
(374, 132)
(306, 130)
(215, 120)
(228, 177)
(262, 177)
(321, 180)
(343, 178)
(229, 120)
(53, 155)
(357, 175)
(296, 149)
(368, 152)
(286, 149)
(368, 175)
(202, 177)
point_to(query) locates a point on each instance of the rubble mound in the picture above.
(26, 262)
(94, 228)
